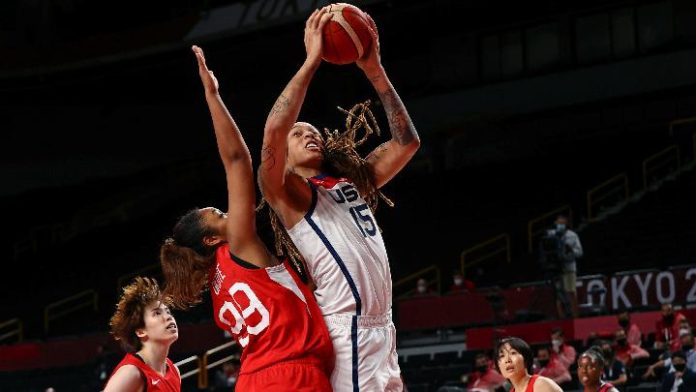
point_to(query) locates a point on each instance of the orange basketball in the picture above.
(346, 37)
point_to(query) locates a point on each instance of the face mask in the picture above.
(623, 323)
(687, 347)
(421, 289)
(482, 369)
(560, 227)
(679, 367)
(621, 342)
(668, 318)
(557, 342)
(608, 354)
(543, 362)
(458, 281)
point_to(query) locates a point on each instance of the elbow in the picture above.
(413, 146)
(416, 143)
(272, 126)
(237, 158)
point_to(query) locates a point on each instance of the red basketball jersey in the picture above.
(155, 382)
(270, 312)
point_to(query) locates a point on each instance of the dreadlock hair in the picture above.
(186, 260)
(340, 160)
(130, 311)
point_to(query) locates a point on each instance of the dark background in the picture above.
(521, 108)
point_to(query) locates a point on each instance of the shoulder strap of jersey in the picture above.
(605, 387)
(140, 370)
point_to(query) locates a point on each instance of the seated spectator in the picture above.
(667, 329)
(550, 366)
(564, 352)
(682, 379)
(685, 326)
(423, 289)
(614, 371)
(460, 284)
(633, 333)
(625, 351)
(226, 378)
(104, 363)
(592, 340)
(687, 348)
(484, 378)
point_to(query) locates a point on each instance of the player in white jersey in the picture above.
(323, 194)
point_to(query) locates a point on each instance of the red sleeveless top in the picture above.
(170, 382)
(605, 387)
(270, 313)
(530, 385)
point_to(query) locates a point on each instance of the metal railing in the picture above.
(14, 327)
(435, 278)
(669, 159)
(69, 305)
(536, 226)
(488, 249)
(680, 121)
(615, 188)
(202, 365)
(205, 366)
(185, 361)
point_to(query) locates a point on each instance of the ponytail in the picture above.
(185, 273)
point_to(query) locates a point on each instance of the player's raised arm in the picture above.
(390, 157)
(241, 192)
(285, 111)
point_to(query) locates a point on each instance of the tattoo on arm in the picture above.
(280, 105)
(268, 160)
(400, 124)
(374, 78)
(377, 152)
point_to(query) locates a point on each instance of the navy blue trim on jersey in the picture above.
(330, 248)
(354, 341)
(349, 279)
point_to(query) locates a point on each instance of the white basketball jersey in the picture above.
(344, 251)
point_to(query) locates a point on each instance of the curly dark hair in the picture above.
(186, 261)
(130, 311)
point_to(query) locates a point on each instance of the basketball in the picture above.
(346, 36)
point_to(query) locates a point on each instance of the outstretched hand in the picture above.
(209, 80)
(370, 61)
(313, 34)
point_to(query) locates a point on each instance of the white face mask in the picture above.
(556, 342)
(421, 288)
(458, 281)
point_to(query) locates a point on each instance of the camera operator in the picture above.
(560, 248)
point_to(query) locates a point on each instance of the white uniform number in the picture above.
(240, 319)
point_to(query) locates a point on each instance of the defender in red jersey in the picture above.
(514, 361)
(260, 301)
(146, 329)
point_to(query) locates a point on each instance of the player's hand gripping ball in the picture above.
(346, 36)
